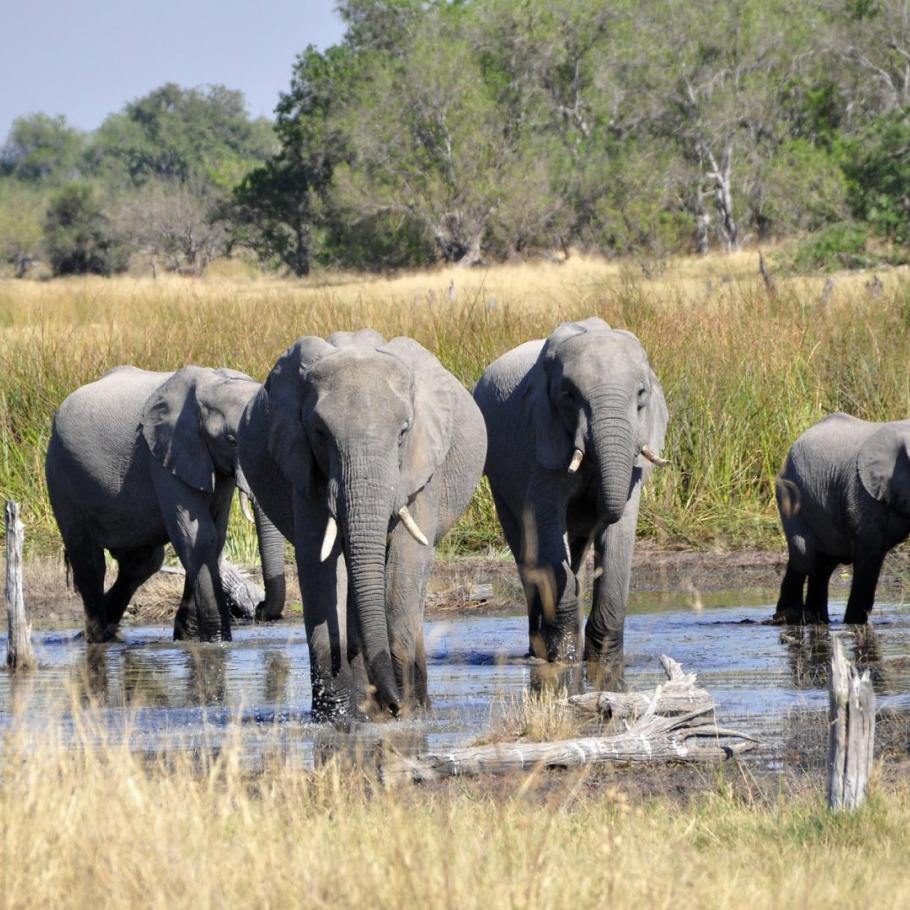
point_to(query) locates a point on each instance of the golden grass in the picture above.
(98, 825)
(744, 373)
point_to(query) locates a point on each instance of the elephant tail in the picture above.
(788, 497)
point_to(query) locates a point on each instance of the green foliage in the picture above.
(178, 134)
(42, 149)
(22, 212)
(838, 246)
(877, 165)
(78, 235)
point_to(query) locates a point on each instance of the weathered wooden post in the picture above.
(851, 716)
(19, 653)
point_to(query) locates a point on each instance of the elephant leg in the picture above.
(86, 561)
(790, 604)
(198, 540)
(134, 568)
(511, 526)
(613, 549)
(324, 589)
(271, 554)
(867, 566)
(550, 585)
(408, 568)
(817, 594)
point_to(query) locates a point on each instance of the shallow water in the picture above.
(767, 681)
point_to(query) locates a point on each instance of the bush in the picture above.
(79, 236)
(838, 246)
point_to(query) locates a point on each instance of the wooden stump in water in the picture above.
(851, 716)
(19, 654)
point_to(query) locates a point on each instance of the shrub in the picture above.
(838, 246)
(79, 236)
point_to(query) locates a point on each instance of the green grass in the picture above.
(743, 374)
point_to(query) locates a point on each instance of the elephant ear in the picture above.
(552, 442)
(657, 416)
(430, 437)
(172, 428)
(285, 386)
(368, 338)
(883, 465)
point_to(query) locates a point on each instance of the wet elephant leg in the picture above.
(817, 594)
(408, 568)
(324, 589)
(134, 568)
(613, 548)
(86, 562)
(550, 585)
(867, 566)
(198, 542)
(790, 603)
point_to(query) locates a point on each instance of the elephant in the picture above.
(576, 423)
(363, 452)
(844, 497)
(137, 459)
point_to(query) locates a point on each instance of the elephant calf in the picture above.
(843, 497)
(137, 459)
(575, 425)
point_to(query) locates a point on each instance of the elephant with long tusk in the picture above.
(576, 423)
(363, 452)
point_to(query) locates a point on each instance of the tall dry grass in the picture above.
(100, 826)
(744, 373)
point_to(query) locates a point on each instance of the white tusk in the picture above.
(653, 457)
(328, 542)
(575, 463)
(245, 507)
(408, 521)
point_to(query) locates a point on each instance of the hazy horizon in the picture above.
(86, 61)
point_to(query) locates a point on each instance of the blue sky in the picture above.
(87, 59)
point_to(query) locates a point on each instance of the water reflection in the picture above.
(767, 681)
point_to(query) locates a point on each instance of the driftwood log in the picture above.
(243, 594)
(679, 695)
(19, 652)
(693, 736)
(851, 716)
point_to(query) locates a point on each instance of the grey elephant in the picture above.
(575, 423)
(363, 452)
(844, 497)
(137, 459)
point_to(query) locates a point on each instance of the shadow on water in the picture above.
(768, 681)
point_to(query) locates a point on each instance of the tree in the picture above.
(22, 210)
(78, 235)
(877, 165)
(41, 148)
(179, 222)
(279, 205)
(180, 134)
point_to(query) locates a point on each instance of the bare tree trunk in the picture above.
(19, 654)
(851, 716)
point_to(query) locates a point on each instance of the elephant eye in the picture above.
(642, 396)
(403, 431)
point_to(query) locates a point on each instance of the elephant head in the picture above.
(190, 426)
(596, 406)
(360, 425)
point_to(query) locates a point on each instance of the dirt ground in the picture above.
(470, 584)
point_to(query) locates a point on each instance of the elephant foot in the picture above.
(796, 616)
(856, 617)
(98, 633)
(555, 644)
(267, 613)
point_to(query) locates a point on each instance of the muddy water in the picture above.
(767, 681)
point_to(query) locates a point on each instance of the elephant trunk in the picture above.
(614, 438)
(271, 554)
(364, 511)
